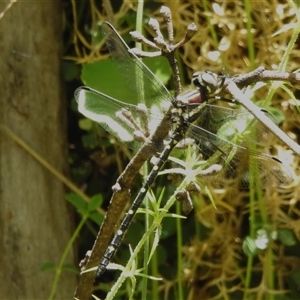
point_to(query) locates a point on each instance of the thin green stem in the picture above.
(255, 195)
(63, 258)
(155, 224)
(210, 26)
(139, 20)
(139, 28)
(250, 42)
(154, 272)
(269, 274)
(285, 58)
(180, 294)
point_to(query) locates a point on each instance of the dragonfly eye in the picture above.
(208, 80)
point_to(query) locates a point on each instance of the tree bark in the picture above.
(35, 220)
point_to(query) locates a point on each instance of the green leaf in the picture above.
(71, 268)
(286, 237)
(104, 76)
(249, 246)
(277, 113)
(89, 140)
(70, 70)
(129, 19)
(160, 68)
(294, 284)
(96, 217)
(278, 116)
(96, 35)
(210, 196)
(155, 242)
(77, 202)
(95, 202)
(85, 124)
(47, 266)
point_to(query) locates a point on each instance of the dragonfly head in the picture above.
(208, 82)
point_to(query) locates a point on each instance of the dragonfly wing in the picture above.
(234, 124)
(120, 119)
(237, 161)
(145, 86)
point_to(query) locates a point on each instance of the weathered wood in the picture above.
(35, 221)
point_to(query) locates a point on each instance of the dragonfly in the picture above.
(223, 137)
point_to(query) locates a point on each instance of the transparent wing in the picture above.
(229, 138)
(223, 136)
(144, 85)
(234, 124)
(129, 123)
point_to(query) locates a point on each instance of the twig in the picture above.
(117, 204)
(238, 96)
(164, 48)
(166, 14)
(261, 74)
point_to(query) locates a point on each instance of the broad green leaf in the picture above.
(294, 284)
(89, 140)
(85, 124)
(95, 202)
(96, 217)
(77, 201)
(287, 237)
(70, 70)
(71, 268)
(249, 246)
(104, 76)
(47, 266)
(160, 68)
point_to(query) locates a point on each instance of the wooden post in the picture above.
(35, 220)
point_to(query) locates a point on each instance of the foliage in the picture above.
(244, 244)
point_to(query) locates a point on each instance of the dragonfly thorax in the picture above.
(190, 97)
